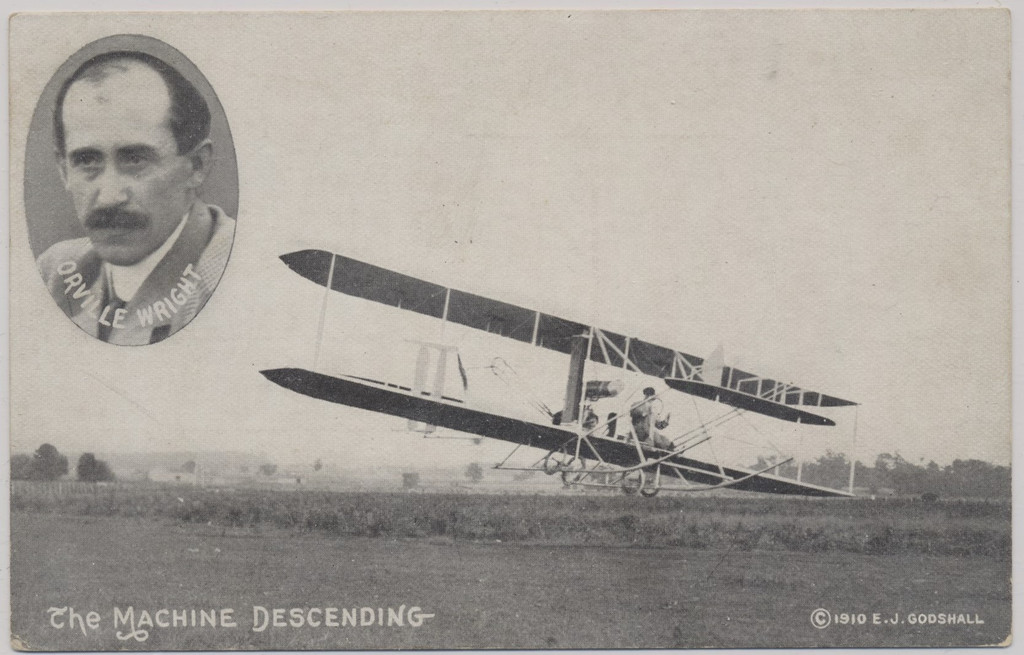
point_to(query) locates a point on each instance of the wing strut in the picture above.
(853, 449)
(323, 312)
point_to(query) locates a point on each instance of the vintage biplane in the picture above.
(575, 443)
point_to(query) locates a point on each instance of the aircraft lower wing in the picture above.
(396, 401)
(399, 401)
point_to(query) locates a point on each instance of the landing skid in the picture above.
(580, 464)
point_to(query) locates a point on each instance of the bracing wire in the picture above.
(510, 377)
(705, 427)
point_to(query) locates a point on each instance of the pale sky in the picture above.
(824, 194)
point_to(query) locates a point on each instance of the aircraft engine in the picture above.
(598, 389)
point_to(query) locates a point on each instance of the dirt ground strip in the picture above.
(482, 595)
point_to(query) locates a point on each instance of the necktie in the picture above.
(113, 304)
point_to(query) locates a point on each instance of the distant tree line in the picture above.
(91, 469)
(964, 478)
(47, 463)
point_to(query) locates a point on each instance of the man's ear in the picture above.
(62, 167)
(200, 158)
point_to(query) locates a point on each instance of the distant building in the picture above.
(173, 477)
(874, 492)
(287, 480)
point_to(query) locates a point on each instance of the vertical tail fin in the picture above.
(419, 385)
(711, 370)
(421, 377)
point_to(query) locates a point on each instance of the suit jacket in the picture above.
(168, 299)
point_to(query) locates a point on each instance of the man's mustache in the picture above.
(116, 218)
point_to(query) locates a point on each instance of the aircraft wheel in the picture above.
(633, 482)
(651, 486)
(571, 477)
(551, 465)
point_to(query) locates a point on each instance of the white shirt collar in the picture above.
(126, 280)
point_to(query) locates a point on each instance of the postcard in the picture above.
(510, 330)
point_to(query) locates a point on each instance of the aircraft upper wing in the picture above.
(402, 402)
(681, 371)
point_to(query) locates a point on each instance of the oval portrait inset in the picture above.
(131, 188)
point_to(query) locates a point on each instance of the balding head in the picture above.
(188, 115)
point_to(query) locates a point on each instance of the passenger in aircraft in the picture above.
(647, 420)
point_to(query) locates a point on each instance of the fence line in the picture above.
(62, 488)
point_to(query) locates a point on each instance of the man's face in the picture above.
(129, 186)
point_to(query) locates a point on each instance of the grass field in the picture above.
(511, 572)
(743, 521)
